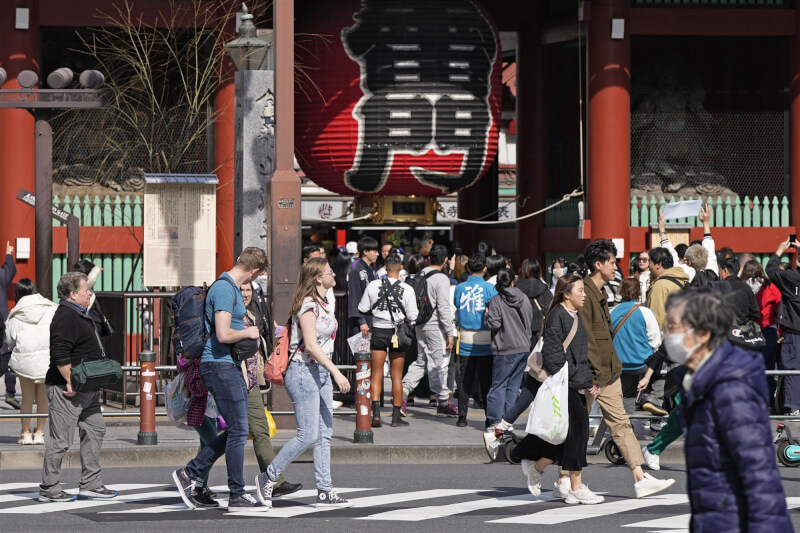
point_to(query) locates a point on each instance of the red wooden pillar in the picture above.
(794, 121)
(225, 108)
(532, 148)
(19, 50)
(609, 123)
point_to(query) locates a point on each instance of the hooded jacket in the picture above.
(28, 336)
(661, 288)
(539, 293)
(509, 317)
(733, 479)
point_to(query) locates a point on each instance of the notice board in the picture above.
(180, 230)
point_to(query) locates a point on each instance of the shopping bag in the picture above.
(177, 401)
(548, 418)
(273, 427)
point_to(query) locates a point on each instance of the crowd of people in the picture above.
(692, 326)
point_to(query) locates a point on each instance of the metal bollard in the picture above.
(363, 433)
(147, 399)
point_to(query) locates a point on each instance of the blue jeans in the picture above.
(207, 432)
(506, 378)
(226, 383)
(311, 390)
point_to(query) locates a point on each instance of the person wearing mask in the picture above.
(475, 345)
(600, 256)
(253, 374)
(391, 302)
(7, 273)
(309, 380)
(28, 338)
(536, 454)
(768, 298)
(493, 265)
(558, 268)
(530, 283)
(636, 335)
(360, 276)
(732, 476)
(509, 317)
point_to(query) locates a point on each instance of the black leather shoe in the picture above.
(462, 422)
(286, 488)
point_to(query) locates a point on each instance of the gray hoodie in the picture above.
(509, 316)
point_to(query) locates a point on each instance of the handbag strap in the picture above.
(626, 317)
(571, 335)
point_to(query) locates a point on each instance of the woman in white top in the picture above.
(28, 338)
(309, 383)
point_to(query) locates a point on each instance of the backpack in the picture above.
(278, 361)
(420, 285)
(189, 334)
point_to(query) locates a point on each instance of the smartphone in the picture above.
(637, 396)
(792, 238)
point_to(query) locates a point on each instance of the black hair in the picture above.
(476, 263)
(680, 249)
(366, 244)
(600, 250)
(438, 254)
(84, 265)
(484, 248)
(387, 243)
(661, 256)
(25, 287)
(578, 267)
(493, 264)
(309, 249)
(393, 260)
(731, 265)
(505, 277)
(530, 269)
(415, 264)
(341, 264)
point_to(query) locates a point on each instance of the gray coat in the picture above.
(556, 329)
(509, 316)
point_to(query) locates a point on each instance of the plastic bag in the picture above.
(548, 418)
(176, 399)
(273, 427)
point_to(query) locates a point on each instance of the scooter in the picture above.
(788, 447)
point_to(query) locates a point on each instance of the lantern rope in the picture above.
(574, 194)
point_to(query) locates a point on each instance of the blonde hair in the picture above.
(307, 284)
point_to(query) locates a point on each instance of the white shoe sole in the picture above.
(488, 439)
(185, 497)
(655, 490)
(334, 505)
(265, 502)
(256, 509)
(583, 502)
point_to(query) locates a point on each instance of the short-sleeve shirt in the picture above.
(222, 296)
(326, 329)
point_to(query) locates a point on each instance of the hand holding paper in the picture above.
(685, 209)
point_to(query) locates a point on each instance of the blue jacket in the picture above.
(630, 342)
(471, 299)
(733, 479)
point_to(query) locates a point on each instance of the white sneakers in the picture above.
(561, 488)
(534, 476)
(583, 495)
(651, 459)
(650, 485)
(491, 443)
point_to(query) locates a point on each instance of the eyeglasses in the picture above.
(643, 259)
(329, 273)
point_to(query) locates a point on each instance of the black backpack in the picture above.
(189, 331)
(420, 285)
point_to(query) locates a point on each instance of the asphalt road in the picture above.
(388, 499)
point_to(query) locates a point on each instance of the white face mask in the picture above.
(754, 284)
(558, 272)
(676, 351)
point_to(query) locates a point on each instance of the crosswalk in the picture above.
(148, 502)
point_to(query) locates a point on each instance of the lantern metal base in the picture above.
(397, 209)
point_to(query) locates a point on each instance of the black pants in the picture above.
(473, 368)
(630, 385)
(571, 454)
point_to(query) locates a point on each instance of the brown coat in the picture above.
(603, 359)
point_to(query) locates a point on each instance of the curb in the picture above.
(175, 456)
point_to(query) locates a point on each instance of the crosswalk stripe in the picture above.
(681, 522)
(570, 513)
(416, 514)
(54, 507)
(17, 486)
(368, 501)
(223, 501)
(18, 497)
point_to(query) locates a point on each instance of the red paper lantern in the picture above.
(396, 96)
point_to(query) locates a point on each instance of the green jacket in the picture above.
(606, 366)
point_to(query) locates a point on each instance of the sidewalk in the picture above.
(428, 440)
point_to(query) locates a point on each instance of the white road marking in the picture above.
(416, 514)
(17, 486)
(680, 523)
(570, 513)
(54, 507)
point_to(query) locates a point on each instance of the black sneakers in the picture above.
(185, 486)
(264, 489)
(332, 500)
(99, 493)
(286, 488)
(60, 497)
(204, 498)
(245, 502)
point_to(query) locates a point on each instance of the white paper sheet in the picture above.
(358, 343)
(687, 208)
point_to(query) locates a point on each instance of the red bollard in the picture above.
(363, 433)
(147, 399)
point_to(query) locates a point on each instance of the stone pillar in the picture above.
(19, 50)
(608, 187)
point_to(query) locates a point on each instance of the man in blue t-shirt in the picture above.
(224, 318)
(475, 339)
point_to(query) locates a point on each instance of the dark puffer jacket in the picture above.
(556, 330)
(733, 479)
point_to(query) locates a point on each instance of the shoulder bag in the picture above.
(535, 368)
(621, 322)
(89, 376)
